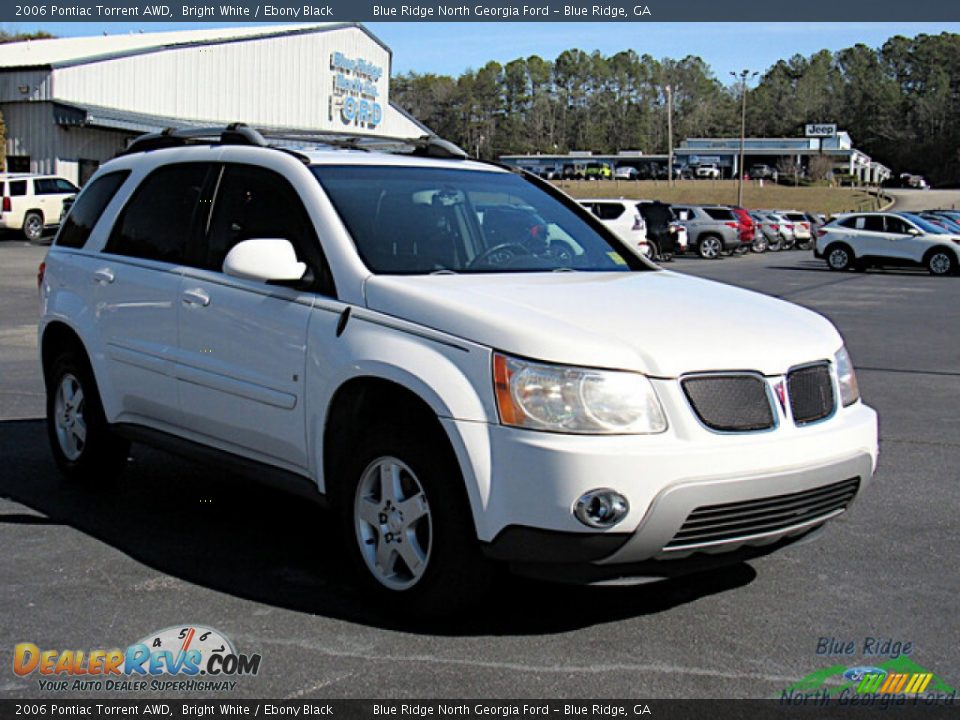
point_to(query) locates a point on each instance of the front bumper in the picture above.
(529, 483)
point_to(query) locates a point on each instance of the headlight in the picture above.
(849, 390)
(575, 400)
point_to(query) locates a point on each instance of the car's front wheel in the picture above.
(83, 445)
(405, 514)
(940, 262)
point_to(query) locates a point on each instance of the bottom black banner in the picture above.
(899, 707)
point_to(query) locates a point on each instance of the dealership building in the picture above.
(71, 103)
(725, 154)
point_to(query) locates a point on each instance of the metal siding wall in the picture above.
(284, 81)
(54, 149)
(31, 131)
(38, 82)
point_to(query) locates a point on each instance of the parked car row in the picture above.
(657, 230)
(857, 241)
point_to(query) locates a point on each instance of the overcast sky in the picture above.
(450, 48)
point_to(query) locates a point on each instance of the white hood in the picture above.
(660, 323)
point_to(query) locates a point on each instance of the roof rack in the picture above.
(242, 134)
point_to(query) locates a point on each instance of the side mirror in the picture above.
(267, 260)
(913, 231)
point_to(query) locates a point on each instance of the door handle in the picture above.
(104, 276)
(195, 297)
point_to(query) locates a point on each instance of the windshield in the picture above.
(924, 225)
(416, 220)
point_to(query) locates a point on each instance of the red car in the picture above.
(745, 225)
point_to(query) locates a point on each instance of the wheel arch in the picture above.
(947, 249)
(362, 401)
(56, 338)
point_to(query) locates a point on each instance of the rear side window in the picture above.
(157, 221)
(45, 186)
(89, 207)
(608, 211)
(18, 188)
(720, 213)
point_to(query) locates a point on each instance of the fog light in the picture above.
(601, 508)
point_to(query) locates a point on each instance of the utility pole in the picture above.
(743, 76)
(669, 89)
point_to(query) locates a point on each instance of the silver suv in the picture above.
(711, 229)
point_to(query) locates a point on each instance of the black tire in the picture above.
(101, 455)
(456, 574)
(760, 245)
(710, 247)
(33, 225)
(805, 245)
(940, 262)
(654, 251)
(775, 246)
(839, 257)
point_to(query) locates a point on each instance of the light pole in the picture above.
(742, 76)
(669, 89)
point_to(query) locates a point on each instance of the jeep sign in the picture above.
(820, 130)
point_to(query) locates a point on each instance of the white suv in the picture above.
(624, 219)
(31, 203)
(860, 240)
(394, 333)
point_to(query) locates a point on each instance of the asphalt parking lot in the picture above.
(179, 543)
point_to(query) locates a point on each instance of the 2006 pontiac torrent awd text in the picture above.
(449, 354)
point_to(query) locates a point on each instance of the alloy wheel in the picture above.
(393, 523)
(71, 425)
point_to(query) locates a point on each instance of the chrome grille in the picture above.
(713, 524)
(730, 403)
(811, 393)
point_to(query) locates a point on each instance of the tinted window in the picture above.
(872, 223)
(45, 186)
(850, 222)
(157, 221)
(608, 211)
(720, 213)
(63, 186)
(88, 208)
(897, 226)
(418, 220)
(18, 187)
(252, 202)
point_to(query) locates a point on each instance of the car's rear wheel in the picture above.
(710, 247)
(83, 445)
(940, 262)
(775, 246)
(406, 516)
(839, 257)
(33, 226)
(759, 245)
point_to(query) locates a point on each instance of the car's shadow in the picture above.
(819, 266)
(202, 526)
